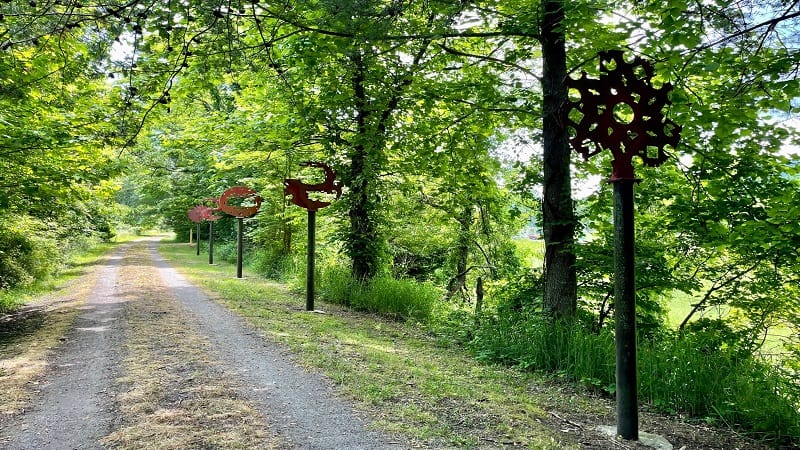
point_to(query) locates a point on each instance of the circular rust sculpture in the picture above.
(621, 111)
(239, 211)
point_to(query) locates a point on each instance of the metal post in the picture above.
(239, 248)
(198, 238)
(625, 310)
(312, 219)
(211, 242)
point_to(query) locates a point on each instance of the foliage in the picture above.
(411, 103)
(725, 385)
(26, 253)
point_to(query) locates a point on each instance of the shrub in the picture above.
(225, 251)
(272, 264)
(27, 254)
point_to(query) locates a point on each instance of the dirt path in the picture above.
(151, 362)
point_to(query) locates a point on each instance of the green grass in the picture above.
(679, 375)
(401, 299)
(401, 374)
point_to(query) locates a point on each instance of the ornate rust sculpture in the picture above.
(243, 192)
(599, 115)
(622, 112)
(299, 190)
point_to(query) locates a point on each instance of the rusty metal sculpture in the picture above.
(240, 211)
(299, 190)
(621, 112)
(599, 119)
(197, 213)
(209, 215)
(202, 213)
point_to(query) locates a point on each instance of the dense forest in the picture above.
(464, 206)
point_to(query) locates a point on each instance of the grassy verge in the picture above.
(413, 383)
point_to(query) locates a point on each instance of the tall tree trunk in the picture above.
(363, 243)
(560, 281)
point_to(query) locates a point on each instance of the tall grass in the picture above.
(401, 299)
(727, 386)
(529, 342)
(676, 374)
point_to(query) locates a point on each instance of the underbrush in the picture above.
(398, 298)
(677, 374)
(27, 252)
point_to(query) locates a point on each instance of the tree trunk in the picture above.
(363, 243)
(462, 252)
(560, 281)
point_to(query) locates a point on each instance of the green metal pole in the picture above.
(211, 242)
(239, 248)
(198, 238)
(312, 219)
(625, 310)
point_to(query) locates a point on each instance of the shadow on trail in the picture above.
(16, 326)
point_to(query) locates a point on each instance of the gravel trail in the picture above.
(79, 396)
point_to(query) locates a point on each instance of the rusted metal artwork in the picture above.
(240, 211)
(201, 213)
(299, 190)
(197, 213)
(621, 112)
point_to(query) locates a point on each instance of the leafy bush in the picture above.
(27, 253)
(225, 251)
(402, 299)
(519, 292)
